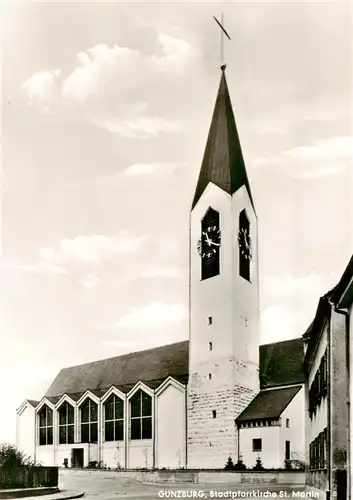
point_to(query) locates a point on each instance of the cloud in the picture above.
(103, 68)
(177, 53)
(152, 168)
(153, 314)
(313, 284)
(37, 268)
(140, 127)
(98, 67)
(292, 303)
(326, 158)
(161, 272)
(91, 281)
(41, 88)
(93, 248)
(280, 323)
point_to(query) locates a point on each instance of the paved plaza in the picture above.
(111, 487)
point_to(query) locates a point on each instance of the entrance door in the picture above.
(77, 458)
(287, 450)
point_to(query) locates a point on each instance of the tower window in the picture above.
(214, 414)
(210, 346)
(287, 422)
(209, 376)
(244, 241)
(209, 320)
(210, 244)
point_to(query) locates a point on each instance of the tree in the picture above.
(11, 457)
(258, 465)
(229, 465)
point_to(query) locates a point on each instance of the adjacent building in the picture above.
(328, 367)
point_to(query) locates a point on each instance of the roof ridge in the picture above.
(127, 354)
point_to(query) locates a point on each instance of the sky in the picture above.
(105, 114)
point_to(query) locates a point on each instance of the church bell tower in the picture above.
(224, 294)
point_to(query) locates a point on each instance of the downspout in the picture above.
(345, 313)
(238, 429)
(154, 420)
(329, 407)
(126, 431)
(186, 427)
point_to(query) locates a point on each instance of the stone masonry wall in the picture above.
(212, 438)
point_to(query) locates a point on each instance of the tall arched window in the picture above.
(45, 426)
(244, 241)
(141, 416)
(209, 245)
(89, 421)
(66, 424)
(114, 419)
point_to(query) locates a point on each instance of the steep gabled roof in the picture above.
(343, 284)
(32, 402)
(269, 404)
(281, 363)
(124, 372)
(223, 162)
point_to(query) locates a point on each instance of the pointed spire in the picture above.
(223, 162)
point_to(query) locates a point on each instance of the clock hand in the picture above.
(215, 244)
(208, 239)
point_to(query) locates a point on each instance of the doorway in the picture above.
(77, 458)
(287, 450)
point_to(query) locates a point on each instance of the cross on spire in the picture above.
(223, 32)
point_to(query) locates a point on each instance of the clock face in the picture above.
(244, 243)
(209, 244)
(210, 241)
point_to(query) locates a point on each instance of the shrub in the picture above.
(229, 465)
(240, 465)
(11, 457)
(258, 465)
(294, 465)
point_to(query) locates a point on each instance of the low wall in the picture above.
(27, 492)
(296, 478)
(28, 477)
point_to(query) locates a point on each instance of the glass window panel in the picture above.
(119, 408)
(147, 428)
(70, 434)
(109, 431)
(42, 418)
(94, 433)
(50, 435)
(84, 433)
(42, 436)
(109, 410)
(146, 405)
(62, 414)
(49, 416)
(62, 435)
(85, 412)
(136, 405)
(70, 414)
(135, 428)
(94, 412)
(119, 430)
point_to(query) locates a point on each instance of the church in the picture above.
(191, 404)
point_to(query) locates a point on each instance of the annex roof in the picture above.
(269, 404)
